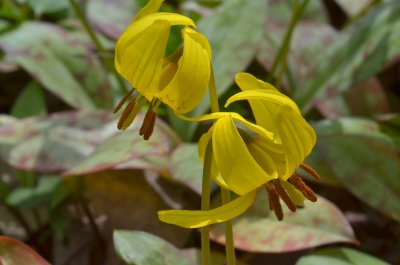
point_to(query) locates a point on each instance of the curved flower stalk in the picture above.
(178, 81)
(262, 155)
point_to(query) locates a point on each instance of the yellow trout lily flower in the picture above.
(277, 148)
(178, 81)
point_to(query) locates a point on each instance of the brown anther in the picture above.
(274, 203)
(125, 114)
(148, 124)
(283, 194)
(310, 170)
(123, 100)
(303, 188)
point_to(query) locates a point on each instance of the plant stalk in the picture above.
(107, 63)
(283, 51)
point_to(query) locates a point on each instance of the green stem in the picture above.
(225, 194)
(284, 48)
(108, 64)
(229, 243)
(205, 205)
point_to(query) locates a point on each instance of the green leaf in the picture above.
(47, 6)
(365, 161)
(61, 62)
(339, 256)
(314, 225)
(30, 102)
(186, 167)
(14, 252)
(29, 198)
(358, 53)
(235, 31)
(141, 248)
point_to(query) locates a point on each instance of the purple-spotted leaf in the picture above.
(111, 17)
(82, 142)
(141, 248)
(316, 224)
(61, 61)
(365, 161)
(339, 256)
(14, 252)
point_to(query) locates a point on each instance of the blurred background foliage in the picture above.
(77, 191)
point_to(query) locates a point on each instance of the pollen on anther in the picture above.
(274, 201)
(123, 100)
(303, 188)
(148, 124)
(310, 170)
(283, 194)
(125, 114)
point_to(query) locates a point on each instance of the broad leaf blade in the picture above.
(14, 252)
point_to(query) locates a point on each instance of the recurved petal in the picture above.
(195, 219)
(139, 59)
(274, 99)
(190, 82)
(151, 7)
(142, 24)
(234, 161)
(247, 81)
(298, 138)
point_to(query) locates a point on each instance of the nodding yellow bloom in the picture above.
(178, 81)
(262, 155)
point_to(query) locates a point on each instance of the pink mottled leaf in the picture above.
(314, 225)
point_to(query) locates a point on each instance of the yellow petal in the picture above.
(247, 81)
(151, 7)
(195, 219)
(200, 39)
(263, 159)
(295, 195)
(142, 24)
(298, 138)
(140, 59)
(237, 166)
(188, 86)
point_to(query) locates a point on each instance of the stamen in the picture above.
(274, 201)
(148, 124)
(303, 188)
(123, 100)
(284, 195)
(269, 198)
(310, 170)
(125, 114)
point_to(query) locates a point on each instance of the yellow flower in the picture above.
(244, 160)
(178, 81)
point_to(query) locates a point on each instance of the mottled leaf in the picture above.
(64, 141)
(141, 248)
(365, 161)
(186, 167)
(352, 7)
(339, 256)
(316, 224)
(61, 62)
(357, 54)
(111, 17)
(14, 252)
